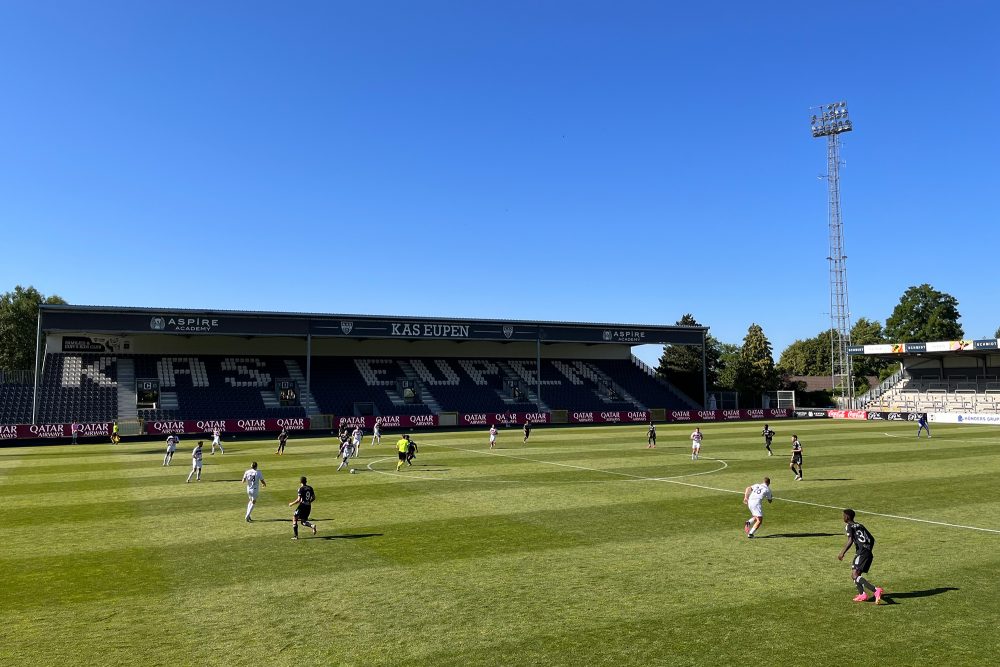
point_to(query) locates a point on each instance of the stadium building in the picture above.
(156, 371)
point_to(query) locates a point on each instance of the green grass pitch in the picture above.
(580, 548)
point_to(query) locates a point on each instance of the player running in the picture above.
(348, 450)
(377, 432)
(195, 462)
(863, 542)
(403, 448)
(768, 437)
(696, 439)
(282, 439)
(527, 430)
(356, 435)
(304, 500)
(217, 441)
(171, 448)
(493, 435)
(253, 478)
(796, 462)
(651, 436)
(753, 498)
(411, 451)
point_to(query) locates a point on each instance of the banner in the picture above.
(192, 426)
(502, 418)
(896, 416)
(964, 418)
(613, 417)
(811, 414)
(727, 415)
(391, 422)
(847, 414)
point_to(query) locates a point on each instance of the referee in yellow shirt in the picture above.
(403, 445)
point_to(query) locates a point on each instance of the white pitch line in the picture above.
(670, 480)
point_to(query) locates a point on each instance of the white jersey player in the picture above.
(217, 441)
(195, 462)
(356, 436)
(493, 435)
(348, 450)
(253, 478)
(753, 498)
(171, 448)
(377, 432)
(696, 444)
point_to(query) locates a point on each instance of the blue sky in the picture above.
(606, 161)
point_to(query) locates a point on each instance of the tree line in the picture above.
(922, 314)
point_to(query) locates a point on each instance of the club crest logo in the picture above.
(157, 324)
(607, 335)
(347, 327)
(508, 331)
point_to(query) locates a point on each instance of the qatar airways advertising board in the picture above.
(389, 422)
(503, 418)
(612, 417)
(191, 426)
(726, 415)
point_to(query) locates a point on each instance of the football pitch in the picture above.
(582, 547)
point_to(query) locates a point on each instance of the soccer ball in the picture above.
(353, 471)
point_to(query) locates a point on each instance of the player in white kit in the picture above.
(171, 448)
(377, 432)
(493, 435)
(356, 435)
(348, 449)
(696, 444)
(195, 462)
(253, 478)
(753, 497)
(217, 441)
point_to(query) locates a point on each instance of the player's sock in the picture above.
(249, 509)
(866, 584)
(859, 585)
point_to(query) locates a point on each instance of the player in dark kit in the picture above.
(768, 437)
(527, 431)
(651, 436)
(304, 500)
(863, 542)
(411, 450)
(796, 463)
(282, 439)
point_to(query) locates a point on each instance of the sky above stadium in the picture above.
(599, 161)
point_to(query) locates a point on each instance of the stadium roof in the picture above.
(186, 321)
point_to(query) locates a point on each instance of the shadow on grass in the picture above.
(355, 536)
(779, 535)
(833, 479)
(891, 598)
(288, 520)
(225, 480)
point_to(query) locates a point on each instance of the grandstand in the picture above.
(937, 377)
(98, 364)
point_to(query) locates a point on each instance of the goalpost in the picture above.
(783, 399)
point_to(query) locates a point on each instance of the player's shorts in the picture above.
(195, 464)
(402, 456)
(493, 438)
(695, 445)
(349, 452)
(302, 512)
(252, 495)
(215, 441)
(797, 459)
(863, 561)
(171, 450)
(651, 438)
(756, 509)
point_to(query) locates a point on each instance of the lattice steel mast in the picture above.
(830, 122)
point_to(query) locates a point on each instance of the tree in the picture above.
(924, 314)
(729, 358)
(19, 326)
(996, 334)
(807, 357)
(681, 364)
(755, 372)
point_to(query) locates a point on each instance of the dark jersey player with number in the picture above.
(304, 500)
(768, 437)
(863, 542)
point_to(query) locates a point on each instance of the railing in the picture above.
(883, 387)
(644, 366)
(17, 377)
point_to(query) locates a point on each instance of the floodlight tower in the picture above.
(831, 121)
